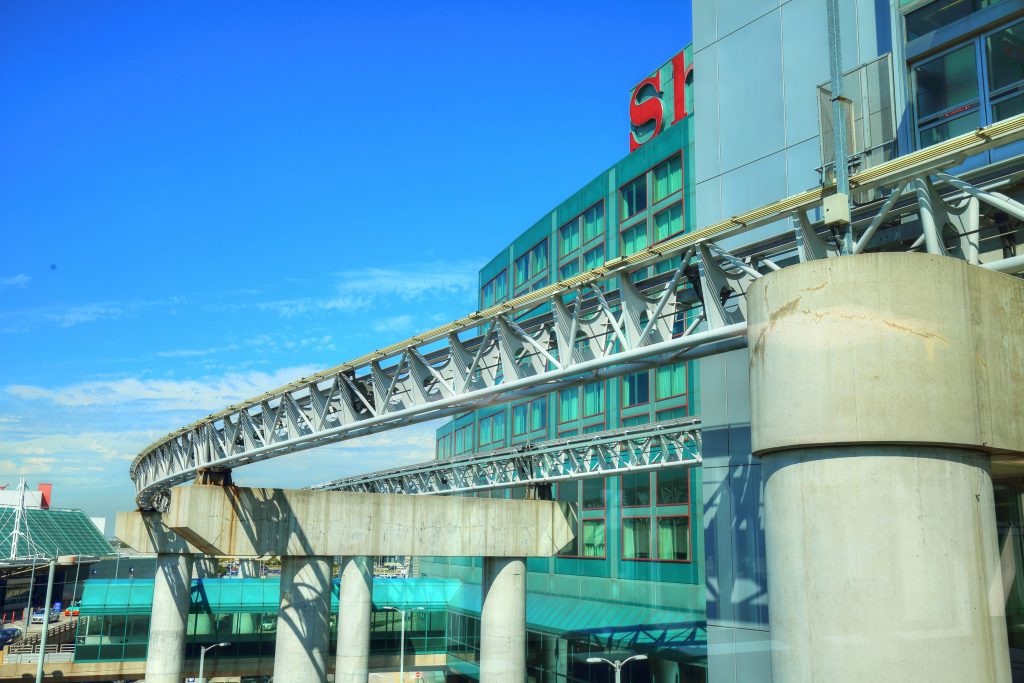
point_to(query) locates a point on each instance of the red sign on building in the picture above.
(660, 100)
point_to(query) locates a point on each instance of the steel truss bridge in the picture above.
(677, 300)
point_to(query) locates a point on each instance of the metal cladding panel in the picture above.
(735, 14)
(750, 109)
(805, 65)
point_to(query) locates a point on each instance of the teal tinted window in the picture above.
(593, 258)
(636, 489)
(569, 238)
(593, 222)
(941, 13)
(671, 380)
(636, 538)
(593, 399)
(539, 414)
(634, 197)
(673, 485)
(568, 404)
(668, 177)
(520, 418)
(674, 538)
(636, 389)
(569, 270)
(634, 239)
(947, 81)
(668, 222)
(593, 538)
(593, 494)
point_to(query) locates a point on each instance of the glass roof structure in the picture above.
(53, 533)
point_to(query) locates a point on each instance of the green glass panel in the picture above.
(668, 222)
(947, 81)
(674, 538)
(668, 178)
(1008, 107)
(636, 538)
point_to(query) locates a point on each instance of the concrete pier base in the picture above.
(503, 620)
(172, 584)
(303, 623)
(883, 387)
(355, 603)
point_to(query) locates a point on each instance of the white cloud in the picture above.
(27, 319)
(394, 324)
(19, 280)
(364, 287)
(207, 394)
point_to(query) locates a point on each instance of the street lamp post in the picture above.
(202, 658)
(401, 647)
(617, 665)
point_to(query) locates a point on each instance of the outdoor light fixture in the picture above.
(617, 665)
(401, 650)
(202, 657)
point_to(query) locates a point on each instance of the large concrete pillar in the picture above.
(304, 621)
(663, 670)
(503, 620)
(205, 567)
(355, 601)
(883, 388)
(172, 586)
(249, 568)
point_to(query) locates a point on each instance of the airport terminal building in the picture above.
(670, 562)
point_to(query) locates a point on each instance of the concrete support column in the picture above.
(355, 602)
(205, 567)
(303, 623)
(172, 585)
(503, 620)
(554, 658)
(664, 670)
(249, 568)
(883, 388)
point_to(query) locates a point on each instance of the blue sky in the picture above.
(201, 201)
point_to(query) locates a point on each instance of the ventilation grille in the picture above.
(870, 117)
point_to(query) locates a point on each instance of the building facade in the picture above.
(755, 126)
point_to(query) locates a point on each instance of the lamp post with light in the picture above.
(401, 651)
(617, 665)
(202, 658)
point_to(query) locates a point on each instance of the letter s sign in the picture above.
(642, 113)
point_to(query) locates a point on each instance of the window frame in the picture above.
(685, 367)
(656, 498)
(622, 391)
(656, 545)
(622, 539)
(622, 492)
(647, 195)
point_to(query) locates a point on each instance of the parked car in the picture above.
(40, 616)
(9, 634)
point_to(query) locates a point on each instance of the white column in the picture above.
(881, 385)
(249, 568)
(355, 603)
(503, 620)
(172, 586)
(303, 623)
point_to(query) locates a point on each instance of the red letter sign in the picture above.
(644, 112)
(680, 72)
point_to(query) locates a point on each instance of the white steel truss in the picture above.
(666, 444)
(610, 321)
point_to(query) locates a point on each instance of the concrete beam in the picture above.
(251, 522)
(146, 532)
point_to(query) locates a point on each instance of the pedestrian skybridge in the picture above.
(677, 300)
